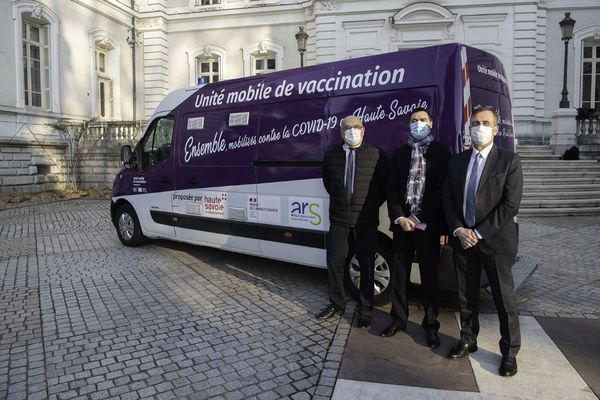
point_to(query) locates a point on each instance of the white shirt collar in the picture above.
(484, 153)
(347, 148)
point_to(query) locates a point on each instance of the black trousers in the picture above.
(340, 239)
(468, 265)
(427, 247)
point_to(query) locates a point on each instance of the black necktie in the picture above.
(349, 183)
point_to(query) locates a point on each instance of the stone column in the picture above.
(156, 62)
(564, 127)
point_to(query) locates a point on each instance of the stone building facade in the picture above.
(102, 61)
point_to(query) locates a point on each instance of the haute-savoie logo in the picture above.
(306, 213)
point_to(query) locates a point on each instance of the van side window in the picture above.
(157, 142)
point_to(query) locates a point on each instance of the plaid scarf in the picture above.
(416, 175)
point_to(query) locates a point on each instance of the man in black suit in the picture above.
(481, 199)
(354, 175)
(415, 185)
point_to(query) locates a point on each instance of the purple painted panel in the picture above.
(152, 178)
(294, 130)
(390, 71)
(221, 152)
(486, 71)
(385, 115)
(381, 89)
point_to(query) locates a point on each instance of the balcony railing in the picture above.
(588, 122)
(114, 131)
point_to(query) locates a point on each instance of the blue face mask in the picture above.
(419, 129)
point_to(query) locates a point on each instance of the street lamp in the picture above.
(566, 29)
(301, 38)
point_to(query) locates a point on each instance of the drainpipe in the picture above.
(134, 43)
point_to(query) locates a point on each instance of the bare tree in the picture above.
(72, 133)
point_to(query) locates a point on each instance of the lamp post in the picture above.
(566, 29)
(133, 41)
(301, 38)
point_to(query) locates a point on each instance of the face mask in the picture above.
(481, 134)
(419, 129)
(353, 137)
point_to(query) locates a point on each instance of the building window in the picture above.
(590, 91)
(36, 59)
(263, 63)
(36, 66)
(105, 86)
(207, 69)
(262, 57)
(105, 78)
(209, 2)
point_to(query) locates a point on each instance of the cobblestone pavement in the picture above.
(82, 316)
(567, 280)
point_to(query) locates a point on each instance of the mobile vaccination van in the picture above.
(236, 164)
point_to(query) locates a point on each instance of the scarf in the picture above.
(416, 175)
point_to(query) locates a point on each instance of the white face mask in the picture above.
(481, 134)
(419, 129)
(353, 137)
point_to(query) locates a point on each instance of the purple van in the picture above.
(237, 164)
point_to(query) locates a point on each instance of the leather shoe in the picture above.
(392, 329)
(329, 312)
(364, 322)
(508, 366)
(462, 349)
(433, 339)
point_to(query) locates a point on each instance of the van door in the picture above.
(216, 179)
(153, 183)
(292, 202)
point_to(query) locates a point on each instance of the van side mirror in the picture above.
(126, 156)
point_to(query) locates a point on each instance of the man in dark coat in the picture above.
(481, 199)
(354, 175)
(415, 185)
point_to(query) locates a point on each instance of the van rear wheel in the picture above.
(382, 273)
(128, 226)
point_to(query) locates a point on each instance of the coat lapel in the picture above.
(463, 168)
(341, 150)
(489, 166)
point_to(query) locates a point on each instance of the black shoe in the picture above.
(462, 349)
(392, 329)
(433, 339)
(508, 366)
(330, 312)
(364, 321)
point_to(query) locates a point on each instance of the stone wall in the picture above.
(27, 167)
(98, 163)
(90, 162)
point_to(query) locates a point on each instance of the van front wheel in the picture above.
(382, 273)
(128, 226)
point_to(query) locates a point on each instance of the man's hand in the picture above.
(468, 237)
(406, 224)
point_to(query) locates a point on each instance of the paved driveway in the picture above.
(82, 316)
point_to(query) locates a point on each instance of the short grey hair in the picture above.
(480, 108)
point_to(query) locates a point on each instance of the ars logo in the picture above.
(304, 211)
